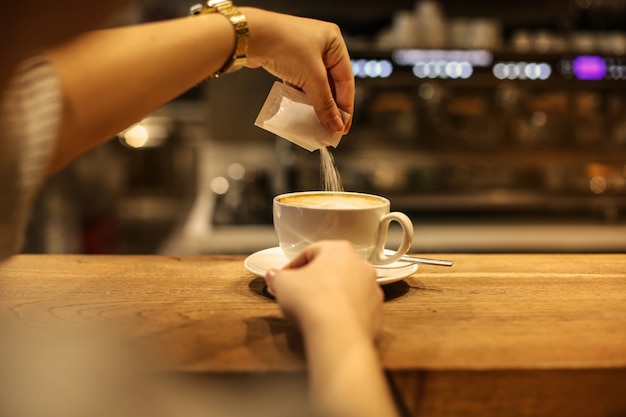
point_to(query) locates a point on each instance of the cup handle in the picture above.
(378, 256)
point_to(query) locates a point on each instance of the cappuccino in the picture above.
(362, 219)
(339, 201)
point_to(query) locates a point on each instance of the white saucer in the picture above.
(273, 258)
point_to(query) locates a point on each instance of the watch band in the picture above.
(239, 56)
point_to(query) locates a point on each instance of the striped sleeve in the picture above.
(30, 112)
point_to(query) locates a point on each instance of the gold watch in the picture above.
(242, 35)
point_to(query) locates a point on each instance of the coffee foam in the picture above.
(335, 202)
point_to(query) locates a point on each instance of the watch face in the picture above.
(215, 3)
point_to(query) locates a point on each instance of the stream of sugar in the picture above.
(331, 181)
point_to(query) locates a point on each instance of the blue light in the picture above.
(372, 68)
(522, 70)
(589, 67)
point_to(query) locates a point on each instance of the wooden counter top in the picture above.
(517, 319)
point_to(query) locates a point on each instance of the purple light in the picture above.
(589, 67)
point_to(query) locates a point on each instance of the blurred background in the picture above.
(496, 126)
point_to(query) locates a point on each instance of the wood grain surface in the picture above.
(533, 333)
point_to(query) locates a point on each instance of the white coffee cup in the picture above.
(302, 218)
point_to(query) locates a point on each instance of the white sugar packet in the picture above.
(288, 113)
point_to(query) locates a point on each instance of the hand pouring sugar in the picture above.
(288, 113)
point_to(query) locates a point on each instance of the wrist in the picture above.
(239, 23)
(258, 21)
(334, 325)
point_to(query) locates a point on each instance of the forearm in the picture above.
(345, 375)
(112, 78)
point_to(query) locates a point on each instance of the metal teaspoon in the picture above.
(418, 260)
